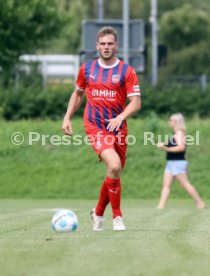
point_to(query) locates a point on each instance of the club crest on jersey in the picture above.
(115, 79)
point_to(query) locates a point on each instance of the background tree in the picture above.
(193, 60)
(25, 26)
(184, 27)
(69, 39)
(54, 27)
(185, 30)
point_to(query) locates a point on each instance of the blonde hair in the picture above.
(180, 122)
(106, 30)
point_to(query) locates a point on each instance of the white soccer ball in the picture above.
(64, 221)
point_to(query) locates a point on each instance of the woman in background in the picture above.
(176, 167)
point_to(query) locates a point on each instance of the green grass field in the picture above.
(174, 241)
(36, 179)
(61, 171)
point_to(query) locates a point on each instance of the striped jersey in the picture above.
(106, 89)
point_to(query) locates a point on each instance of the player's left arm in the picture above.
(133, 106)
(133, 94)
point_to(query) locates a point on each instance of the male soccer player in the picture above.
(107, 82)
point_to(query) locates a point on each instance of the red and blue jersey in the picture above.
(106, 88)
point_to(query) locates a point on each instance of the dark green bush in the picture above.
(165, 101)
(33, 102)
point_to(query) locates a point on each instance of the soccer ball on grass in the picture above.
(64, 221)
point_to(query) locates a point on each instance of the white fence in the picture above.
(52, 67)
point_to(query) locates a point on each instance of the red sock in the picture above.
(103, 200)
(114, 191)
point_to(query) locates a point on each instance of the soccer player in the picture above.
(107, 82)
(176, 166)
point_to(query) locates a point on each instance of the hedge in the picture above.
(37, 103)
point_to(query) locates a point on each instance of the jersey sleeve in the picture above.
(81, 79)
(131, 83)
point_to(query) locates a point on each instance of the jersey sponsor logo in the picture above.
(103, 93)
(115, 79)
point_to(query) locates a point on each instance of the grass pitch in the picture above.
(174, 241)
(60, 171)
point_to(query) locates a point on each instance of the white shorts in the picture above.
(176, 167)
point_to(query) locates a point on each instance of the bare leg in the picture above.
(113, 163)
(167, 180)
(190, 189)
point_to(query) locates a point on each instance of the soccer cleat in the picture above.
(118, 224)
(97, 221)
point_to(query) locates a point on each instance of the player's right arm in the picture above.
(74, 104)
(75, 101)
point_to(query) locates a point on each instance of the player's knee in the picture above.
(115, 168)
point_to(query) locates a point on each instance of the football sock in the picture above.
(103, 200)
(114, 191)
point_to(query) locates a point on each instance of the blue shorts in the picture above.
(176, 167)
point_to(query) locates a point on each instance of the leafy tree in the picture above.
(191, 60)
(138, 9)
(185, 31)
(168, 5)
(26, 26)
(69, 38)
(184, 26)
(76, 13)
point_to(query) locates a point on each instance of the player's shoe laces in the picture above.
(118, 224)
(97, 221)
